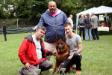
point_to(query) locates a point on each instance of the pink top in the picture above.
(55, 13)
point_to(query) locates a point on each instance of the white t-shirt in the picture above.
(73, 44)
(38, 47)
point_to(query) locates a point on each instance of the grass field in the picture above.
(97, 56)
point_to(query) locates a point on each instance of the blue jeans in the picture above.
(88, 35)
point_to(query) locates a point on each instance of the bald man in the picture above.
(53, 19)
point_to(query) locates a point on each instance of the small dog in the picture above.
(61, 54)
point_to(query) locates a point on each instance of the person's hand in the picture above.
(49, 53)
(34, 28)
(54, 53)
(42, 60)
(27, 65)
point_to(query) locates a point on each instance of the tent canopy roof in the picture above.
(97, 10)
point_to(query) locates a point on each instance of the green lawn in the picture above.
(97, 56)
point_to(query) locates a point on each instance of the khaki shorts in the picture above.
(50, 46)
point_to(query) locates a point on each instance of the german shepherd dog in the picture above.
(61, 54)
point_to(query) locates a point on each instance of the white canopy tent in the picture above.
(103, 10)
(95, 10)
(88, 11)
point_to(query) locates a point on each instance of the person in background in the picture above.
(82, 26)
(75, 43)
(88, 27)
(32, 53)
(94, 23)
(53, 19)
(70, 19)
(5, 33)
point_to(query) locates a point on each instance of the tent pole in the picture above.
(76, 24)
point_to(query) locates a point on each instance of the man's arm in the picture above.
(22, 51)
(79, 47)
(41, 22)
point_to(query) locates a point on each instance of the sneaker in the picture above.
(73, 67)
(78, 72)
(62, 71)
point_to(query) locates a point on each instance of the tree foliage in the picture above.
(91, 3)
(34, 8)
(70, 6)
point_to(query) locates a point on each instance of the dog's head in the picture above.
(61, 46)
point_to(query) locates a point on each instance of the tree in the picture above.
(32, 9)
(91, 3)
(70, 6)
